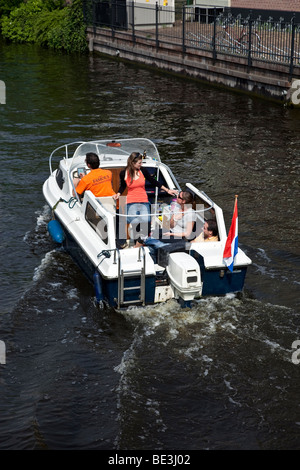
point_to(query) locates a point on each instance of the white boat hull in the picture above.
(130, 276)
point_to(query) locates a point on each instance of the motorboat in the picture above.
(86, 227)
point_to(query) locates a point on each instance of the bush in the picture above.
(48, 24)
(6, 6)
(70, 33)
(45, 26)
(19, 25)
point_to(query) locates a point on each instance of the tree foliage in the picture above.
(48, 23)
(6, 6)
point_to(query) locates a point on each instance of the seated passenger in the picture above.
(98, 180)
(209, 234)
(181, 223)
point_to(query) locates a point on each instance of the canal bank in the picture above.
(249, 54)
(271, 81)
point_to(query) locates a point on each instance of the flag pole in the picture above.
(235, 202)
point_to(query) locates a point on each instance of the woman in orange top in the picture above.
(98, 181)
(137, 202)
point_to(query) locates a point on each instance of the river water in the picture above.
(220, 376)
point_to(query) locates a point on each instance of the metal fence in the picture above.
(193, 28)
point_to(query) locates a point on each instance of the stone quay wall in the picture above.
(263, 79)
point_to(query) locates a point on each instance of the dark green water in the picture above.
(219, 376)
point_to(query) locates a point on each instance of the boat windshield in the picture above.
(117, 150)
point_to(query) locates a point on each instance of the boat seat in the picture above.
(116, 180)
(108, 203)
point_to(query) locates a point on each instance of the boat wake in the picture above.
(270, 265)
(208, 318)
(174, 350)
(55, 268)
(38, 239)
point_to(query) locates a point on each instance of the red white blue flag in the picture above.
(231, 247)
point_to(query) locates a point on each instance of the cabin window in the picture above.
(97, 222)
(59, 178)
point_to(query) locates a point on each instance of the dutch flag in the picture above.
(231, 247)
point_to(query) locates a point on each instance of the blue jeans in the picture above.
(153, 244)
(142, 210)
(166, 248)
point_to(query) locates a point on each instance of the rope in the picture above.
(105, 253)
(71, 203)
(158, 213)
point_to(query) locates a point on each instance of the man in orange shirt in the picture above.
(98, 181)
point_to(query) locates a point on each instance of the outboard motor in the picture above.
(185, 276)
